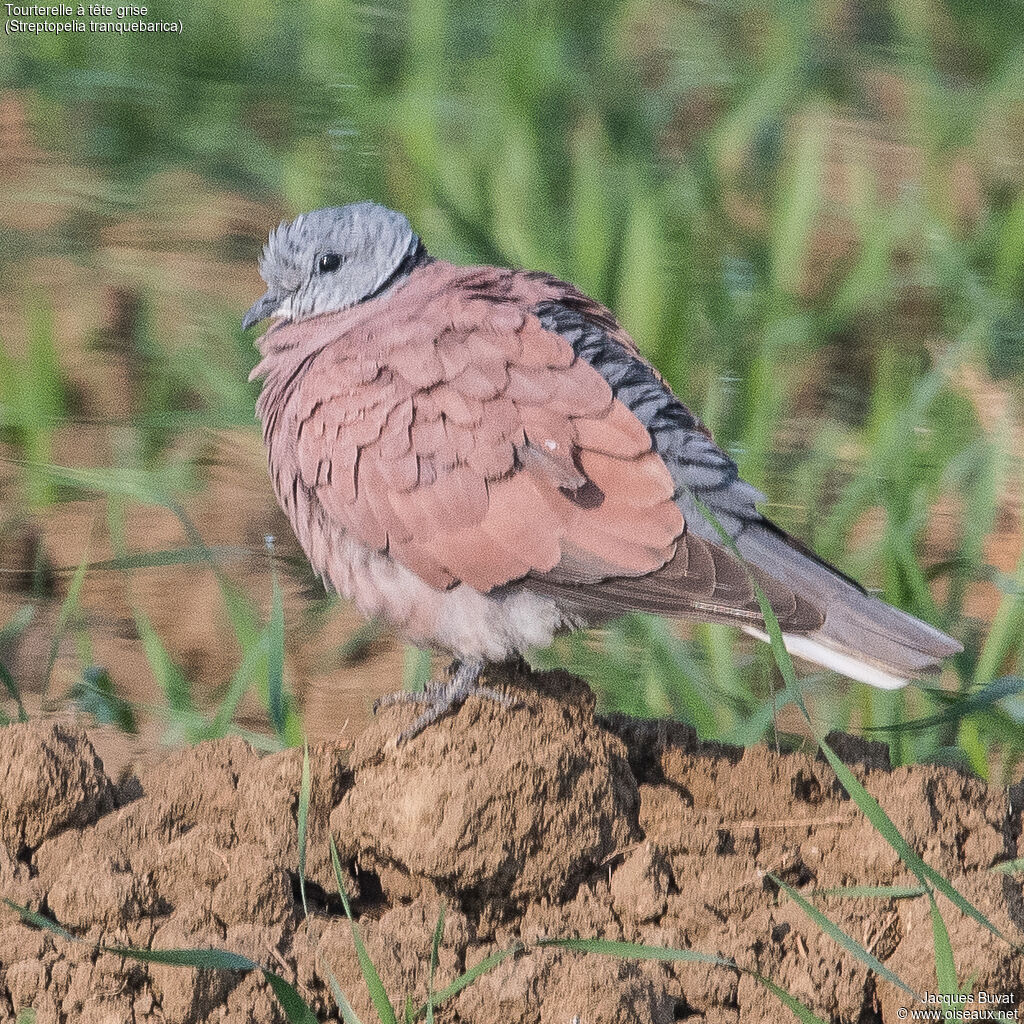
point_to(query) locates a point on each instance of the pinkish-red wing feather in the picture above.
(452, 430)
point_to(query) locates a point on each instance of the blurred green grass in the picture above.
(809, 215)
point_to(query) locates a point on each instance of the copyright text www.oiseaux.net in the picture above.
(102, 19)
(979, 1006)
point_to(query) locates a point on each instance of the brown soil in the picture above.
(539, 821)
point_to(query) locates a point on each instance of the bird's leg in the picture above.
(440, 698)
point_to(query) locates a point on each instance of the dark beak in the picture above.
(260, 310)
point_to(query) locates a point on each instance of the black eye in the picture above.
(328, 262)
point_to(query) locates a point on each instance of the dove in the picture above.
(481, 457)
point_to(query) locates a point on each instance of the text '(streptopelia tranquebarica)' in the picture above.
(482, 457)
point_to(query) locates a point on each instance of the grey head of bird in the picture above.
(333, 258)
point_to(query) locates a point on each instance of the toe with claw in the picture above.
(440, 698)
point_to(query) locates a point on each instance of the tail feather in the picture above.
(862, 637)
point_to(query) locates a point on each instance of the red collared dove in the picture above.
(483, 458)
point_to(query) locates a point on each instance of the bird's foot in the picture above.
(440, 698)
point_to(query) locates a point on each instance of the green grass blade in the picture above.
(959, 707)
(252, 638)
(39, 921)
(799, 201)
(275, 659)
(1009, 867)
(945, 966)
(348, 1015)
(16, 625)
(245, 620)
(434, 946)
(870, 807)
(173, 557)
(830, 928)
(253, 664)
(303, 821)
(171, 680)
(467, 978)
(12, 688)
(95, 695)
(1009, 250)
(417, 668)
(378, 994)
(873, 892)
(150, 488)
(143, 486)
(800, 1011)
(296, 1009)
(1005, 629)
(69, 606)
(885, 827)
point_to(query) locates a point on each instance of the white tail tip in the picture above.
(847, 665)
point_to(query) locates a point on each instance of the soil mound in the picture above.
(532, 822)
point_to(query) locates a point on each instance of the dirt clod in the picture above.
(530, 823)
(51, 779)
(486, 815)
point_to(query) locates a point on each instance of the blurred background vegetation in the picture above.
(809, 215)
